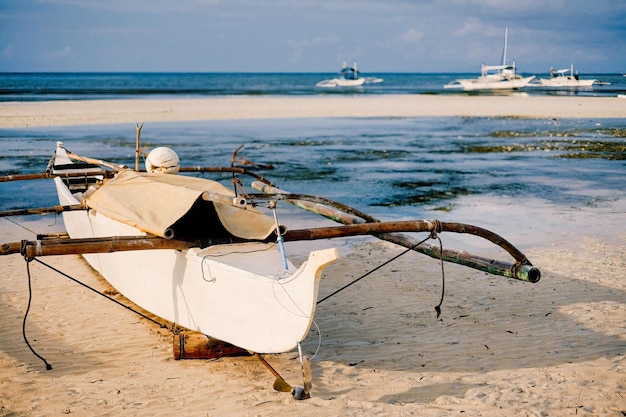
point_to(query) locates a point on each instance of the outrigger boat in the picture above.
(494, 77)
(565, 78)
(348, 77)
(206, 257)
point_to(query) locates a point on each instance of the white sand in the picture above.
(59, 113)
(500, 348)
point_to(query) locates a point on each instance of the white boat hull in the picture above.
(239, 293)
(567, 82)
(486, 83)
(341, 82)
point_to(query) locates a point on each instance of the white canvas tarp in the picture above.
(154, 202)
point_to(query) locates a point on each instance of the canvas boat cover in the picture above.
(154, 203)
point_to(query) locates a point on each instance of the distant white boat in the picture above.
(565, 78)
(349, 77)
(494, 77)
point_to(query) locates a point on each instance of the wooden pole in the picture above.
(138, 146)
(43, 210)
(49, 175)
(116, 167)
(112, 165)
(66, 246)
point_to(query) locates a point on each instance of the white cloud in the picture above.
(7, 52)
(412, 36)
(470, 26)
(60, 53)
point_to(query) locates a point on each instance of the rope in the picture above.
(20, 225)
(443, 278)
(48, 366)
(433, 235)
(30, 297)
(373, 270)
(163, 326)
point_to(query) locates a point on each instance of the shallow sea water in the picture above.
(493, 172)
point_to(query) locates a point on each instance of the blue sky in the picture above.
(310, 35)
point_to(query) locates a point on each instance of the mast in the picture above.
(506, 39)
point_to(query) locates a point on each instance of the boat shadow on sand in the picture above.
(387, 323)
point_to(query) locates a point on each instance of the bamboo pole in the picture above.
(112, 165)
(42, 210)
(49, 175)
(111, 173)
(67, 246)
(359, 230)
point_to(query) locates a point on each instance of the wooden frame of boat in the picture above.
(217, 264)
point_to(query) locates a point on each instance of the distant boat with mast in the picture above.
(494, 77)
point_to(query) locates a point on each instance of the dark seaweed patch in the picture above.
(582, 149)
(423, 196)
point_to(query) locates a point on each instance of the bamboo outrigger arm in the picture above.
(522, 269)
(43, 210)
(49, 175)
(67, 246)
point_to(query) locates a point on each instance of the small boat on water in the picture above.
(565, 78)
(494, 77)
(212, 259)
(348, 77)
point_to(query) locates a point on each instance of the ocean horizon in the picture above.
(44, 86)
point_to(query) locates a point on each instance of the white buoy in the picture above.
(162, 160)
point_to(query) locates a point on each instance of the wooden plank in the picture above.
(194, 345)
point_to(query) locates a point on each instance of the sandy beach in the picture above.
(65, 113)
(500, 347)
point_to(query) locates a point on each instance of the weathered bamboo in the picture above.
(522, 269)
(519, 271)
(20, 177)
(112, 165)
(318, 205)
(66, 246)
(111, 173)
(42, 210)
(359, 230)
(49, 175)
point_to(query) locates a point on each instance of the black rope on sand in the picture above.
(48, 366)
(443, 278)
(104, 295)
(30, 297)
